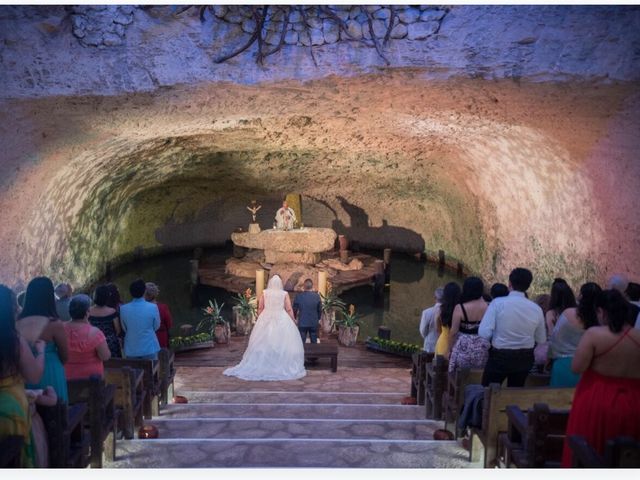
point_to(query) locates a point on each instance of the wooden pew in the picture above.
(620, 452)
(534, 438)
(325, 350)
(129, 396)
(484, 442)
(103, 415)
(419, 375)
(453, 399)
(68, 441)
(167, 372)
(151, 381)
(435, 385)
(11, 451)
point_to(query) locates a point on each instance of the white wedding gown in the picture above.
(275, 350)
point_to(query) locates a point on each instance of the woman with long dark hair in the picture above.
(450, 298)
(567, 332)
(607, 399)
(106, 318)
(17, 364)
(38, 319)
(562, 297)
(468, 349)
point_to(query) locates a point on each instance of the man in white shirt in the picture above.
(428, 328)
(514, 325)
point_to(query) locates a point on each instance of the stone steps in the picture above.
(258, 397)
(270, 428)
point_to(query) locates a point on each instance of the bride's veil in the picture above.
(275, 283)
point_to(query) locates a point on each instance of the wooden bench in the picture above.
(318, 350)
(11, 451)
(435, 386)
(129, 397)
(151, 381)
(419, 375)
(102, 420)
(68, 441)
(167, 372)
(484, 441)
(620, 452)
(453, 398)
(534, 438)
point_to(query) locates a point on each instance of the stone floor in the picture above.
(349, 419)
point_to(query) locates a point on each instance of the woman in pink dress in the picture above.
(88, 347)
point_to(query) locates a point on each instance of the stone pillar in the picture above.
(259, 283)
(322, 283)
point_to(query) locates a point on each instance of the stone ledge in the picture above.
(303, 240)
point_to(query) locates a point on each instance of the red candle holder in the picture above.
(180, 399)
(148, 431)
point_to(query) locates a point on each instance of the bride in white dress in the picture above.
(275, 350)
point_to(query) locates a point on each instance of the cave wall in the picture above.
(503, 135)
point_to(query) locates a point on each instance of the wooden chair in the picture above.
(11, 451)
(534, 438)
(435, 385)
(103, 415)
(151, 381)
(484, 441)
(620, 452)
(129, 396)
(419, 375)
(68, 441)
(454, 395)
(167, 372)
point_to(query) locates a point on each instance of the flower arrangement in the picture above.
(177, 343)
(246, 303)
(212, 317)
(391, 346)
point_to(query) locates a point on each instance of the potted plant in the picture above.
(191, 342)
(214, 323)
(391, 346)
(348, 327)
(330, 305)
(244, 312)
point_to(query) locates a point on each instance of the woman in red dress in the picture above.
(606, 403)
(166, 322)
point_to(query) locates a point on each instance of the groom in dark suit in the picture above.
(307, 308)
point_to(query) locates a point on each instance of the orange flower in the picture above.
(352, 309)
(247, 293)
(209, 310)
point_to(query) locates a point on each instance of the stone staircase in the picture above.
(292, 429)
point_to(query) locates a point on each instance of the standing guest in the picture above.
(468, 349)
(106, 319)
(633, 294)
(566, 335)
(87, 344)
(618, 281)
(498, 290)
(562, 297)
(17, 365)
(513, 324)
(428, 328)
(166, 321)
(450, 298)
(307, 308)
(63, 296)
(114, 300)
(607, 399)
(38, 320)
(140, 320)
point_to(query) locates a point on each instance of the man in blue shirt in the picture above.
(140, 320)
(514, 325)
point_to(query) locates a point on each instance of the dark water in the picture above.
(410, 291)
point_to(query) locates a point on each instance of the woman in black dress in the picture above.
(106, 319)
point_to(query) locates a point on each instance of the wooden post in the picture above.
(441, 258)
(378, 284)
(322, 283)
(387, 267)
(194, 271)
(259, 283)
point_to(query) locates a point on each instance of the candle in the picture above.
(259, 283)
(322, 283)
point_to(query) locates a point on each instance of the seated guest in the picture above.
(140, 320)
(607, 399)
(428, 328)
(450, 298)
(468, 350)
(513, 324)
(166, 322)
(106, 319)
(17, 364)
(562, 297)
(498, 290)
(87, 344)
(38, 320)
(568, 330)
(63, 296)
